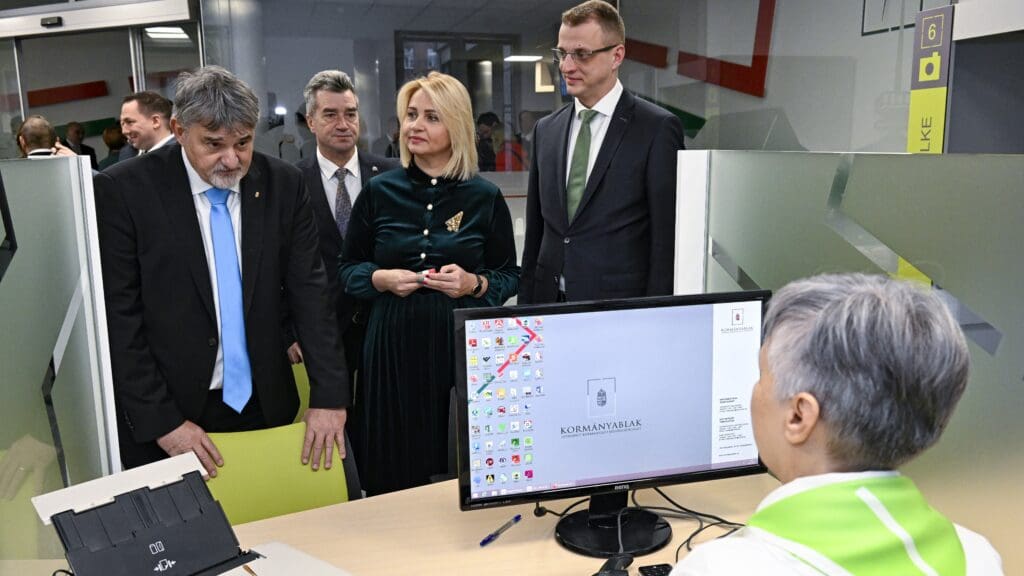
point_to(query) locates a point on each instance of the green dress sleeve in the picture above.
(499, 263)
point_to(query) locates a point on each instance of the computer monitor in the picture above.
(599, 398)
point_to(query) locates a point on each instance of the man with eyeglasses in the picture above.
(600, 209)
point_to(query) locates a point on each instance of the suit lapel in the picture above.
(253, 191)
(181, 211)
(321, 208)
(561, 126)
(617, 125)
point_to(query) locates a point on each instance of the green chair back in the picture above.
(263, 475)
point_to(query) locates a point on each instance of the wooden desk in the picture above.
(422, 531)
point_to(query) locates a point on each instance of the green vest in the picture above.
(879, 525)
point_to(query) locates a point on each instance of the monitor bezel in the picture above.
(462, 396)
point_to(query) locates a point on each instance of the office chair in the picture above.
(263, 476)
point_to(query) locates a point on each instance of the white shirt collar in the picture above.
(806, 483)
(605, 106)
(161, 143)
(196, 182)
(328, 168)
(49, 152)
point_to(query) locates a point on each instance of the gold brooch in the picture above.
(454, 222)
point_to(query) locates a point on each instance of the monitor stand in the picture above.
(594, 532)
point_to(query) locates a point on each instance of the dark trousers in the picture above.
(217, 417)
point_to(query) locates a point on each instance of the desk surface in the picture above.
(422, 531)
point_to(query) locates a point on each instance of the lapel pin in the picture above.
(257, 193)
(374, 169)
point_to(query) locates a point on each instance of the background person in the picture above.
(421, 242)
(334, 176)
(859, 375)
(74, 135)
(145, 122)
(115, 141)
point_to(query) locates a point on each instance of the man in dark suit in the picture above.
(600, 208)
(332, 114)
(198, 243)
(74, 135)
(145, 122)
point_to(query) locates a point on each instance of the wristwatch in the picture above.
(479, 286)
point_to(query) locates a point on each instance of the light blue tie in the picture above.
(237, 371)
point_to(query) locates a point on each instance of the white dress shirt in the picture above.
(203, 208)
(605, 107)
(353, 181)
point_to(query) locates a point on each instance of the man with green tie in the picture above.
(600, 208)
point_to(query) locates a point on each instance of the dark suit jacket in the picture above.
(91, 153)
(160, 309)
(621, 242)
(331, 241)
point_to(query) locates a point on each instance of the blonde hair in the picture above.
(451, 100)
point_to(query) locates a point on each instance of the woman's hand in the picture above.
(453, 281)
(399, 282)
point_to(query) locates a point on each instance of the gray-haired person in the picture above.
(199, 241)
(334, 177)
(859, 374)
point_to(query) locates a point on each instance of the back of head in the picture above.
(451, 101)
(601, 12)
(885, 359)
(151, 103)
(328, 80)
(113, 137)
(214, 98)
(36, 132)
(488, 119)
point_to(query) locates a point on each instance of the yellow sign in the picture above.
(926, 127)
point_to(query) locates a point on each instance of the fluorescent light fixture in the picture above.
(280, 111)
(523, 58)
(166, 33)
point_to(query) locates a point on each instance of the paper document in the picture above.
(283, 560)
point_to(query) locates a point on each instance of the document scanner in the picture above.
(157, 519)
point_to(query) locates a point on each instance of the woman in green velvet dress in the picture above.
(421, 242)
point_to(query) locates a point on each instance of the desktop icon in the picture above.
(489, 462)
(476, 446)
(537, 357)
(527, 424)
(499, 323)
(489, 445)
(488, 394)
(513, 409)
(527, 391)
(490, 478)
(488, 411)
(499, 358)
(501, 393)
(477, 479)
(528, 474)
(475, 429)
(485, 324)
(516, 459)
(526, 339)
(504, 478)
(514, 442)
(538, 390)
(528, 458)
(472, 342)
(474, 379)
(513, 357)
(473, 361)
(528, 441)
(514, 426)
(539, 372)
(501, 410)
(486, 359)
(513, 374)
(476, 464)
(525, 356)
(516, 476)
(502, 461)
(471, 326)
(513, 392)
(501, 428)
(512, 340)
(501, 445)
(474, 412)
(526, 407)
(538, 322)
(486, 342)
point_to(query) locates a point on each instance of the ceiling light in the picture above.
(523, 58)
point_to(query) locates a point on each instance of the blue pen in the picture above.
(494, 535)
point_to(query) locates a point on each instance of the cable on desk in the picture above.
(62, 571)
(540, 511)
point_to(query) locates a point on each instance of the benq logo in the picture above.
(621, 487)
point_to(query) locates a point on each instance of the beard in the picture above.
(224, 178)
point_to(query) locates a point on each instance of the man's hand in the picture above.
(61, 150)
(325, 428)
(451, 280)
(295, 354)
(398, 282)
(189, 437)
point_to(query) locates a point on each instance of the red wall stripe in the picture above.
(647, 53)
(748, 79)
(61, 94)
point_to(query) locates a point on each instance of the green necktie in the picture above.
(578, 167)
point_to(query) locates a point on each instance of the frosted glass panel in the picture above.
(49, 345)
(775, 217)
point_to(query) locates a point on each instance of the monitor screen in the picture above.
(578, 398)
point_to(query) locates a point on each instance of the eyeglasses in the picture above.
(578, 56)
